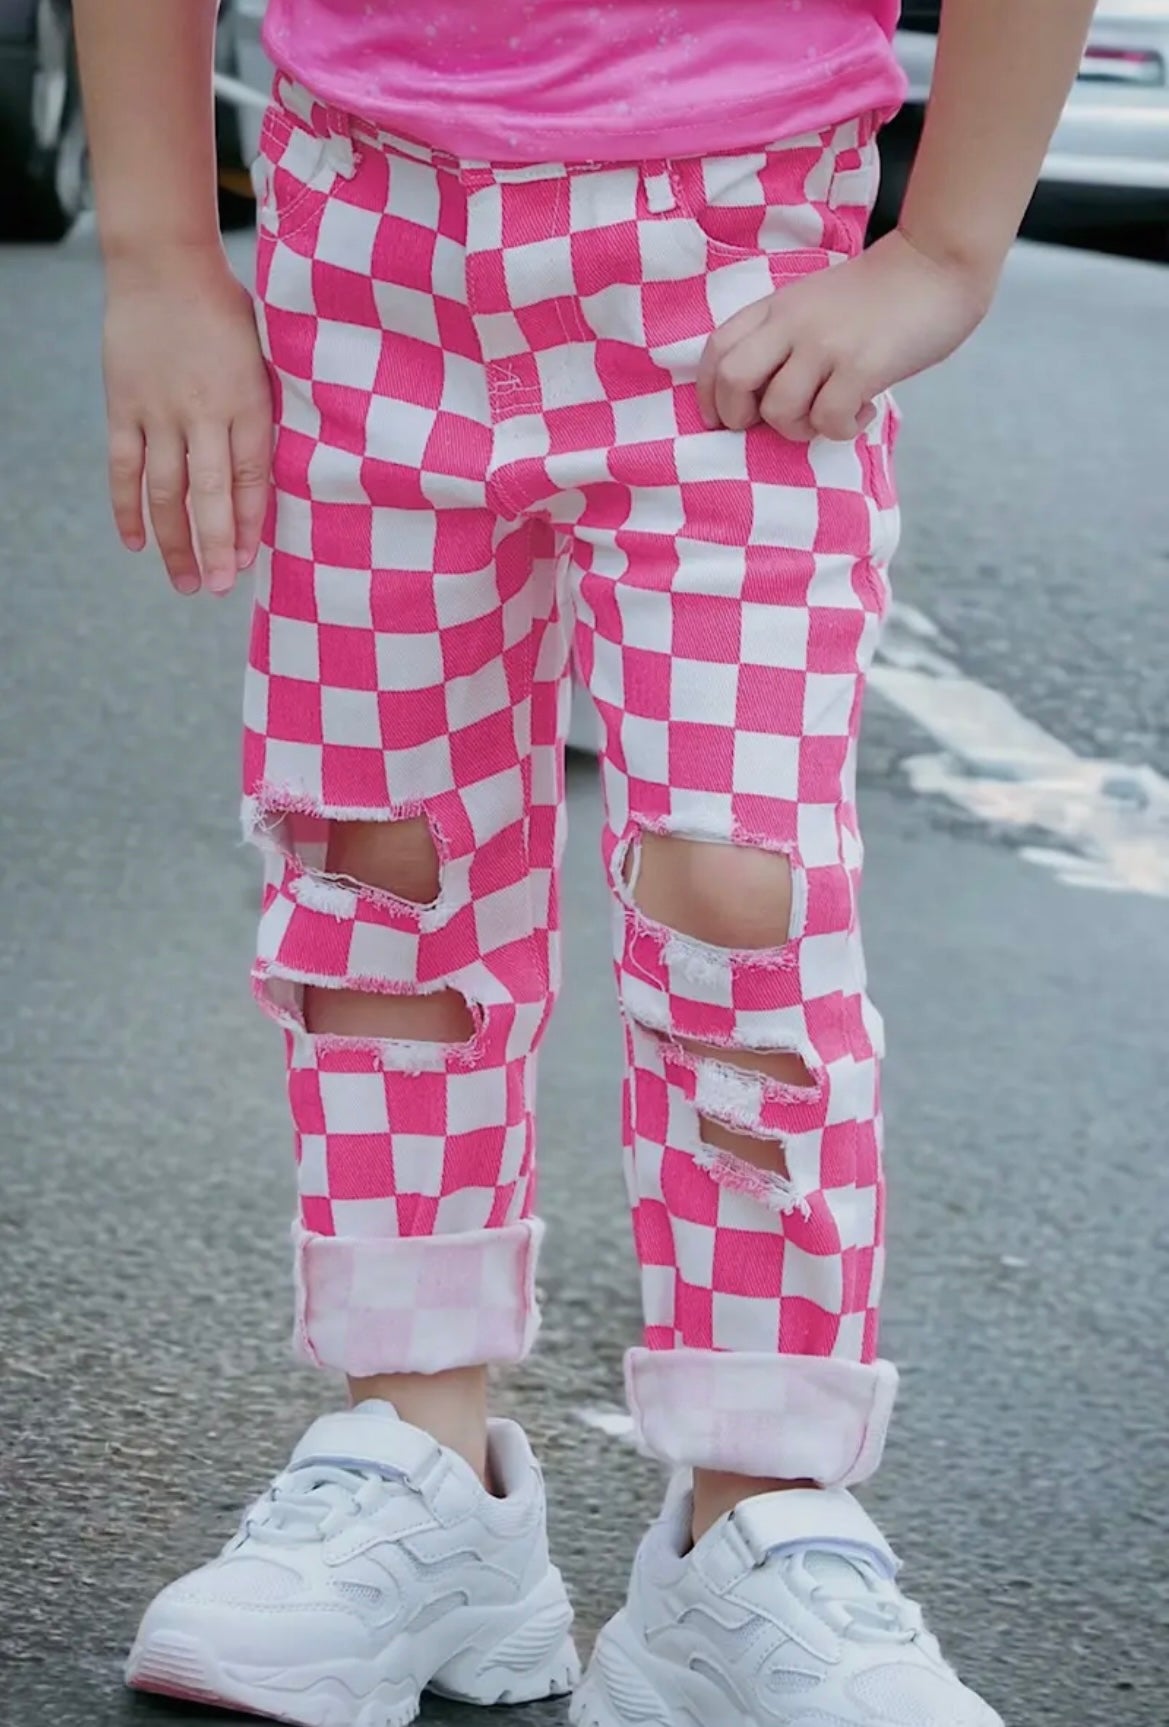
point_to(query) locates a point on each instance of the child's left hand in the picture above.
(811, 359)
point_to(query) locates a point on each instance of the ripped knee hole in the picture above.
(438, 1016)
(395, 857)
(734, 897)
(398, 858)
(762, 1152)
(724, 895)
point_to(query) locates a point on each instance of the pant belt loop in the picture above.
(660, 196)
(341, 148)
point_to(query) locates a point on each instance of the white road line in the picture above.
(1109, 823)
(613, 1422)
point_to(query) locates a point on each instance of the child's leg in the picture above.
(752, 1116)
(731, 898)
(403, 779)
(399, 858)
(414, 992)
(403, 776)
(412, 1005)
(729, 598)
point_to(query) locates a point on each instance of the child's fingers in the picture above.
(166, 494)
(837, 410)
(743, 323)
(210, 481)
(251, 461)
(744, 372)
(126, 456)
(787, 401)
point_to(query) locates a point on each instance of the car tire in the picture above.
(49, 181)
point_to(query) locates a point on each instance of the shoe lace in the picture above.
(312, 1503)
(853, 1597)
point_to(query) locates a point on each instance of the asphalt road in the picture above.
(145, 1388)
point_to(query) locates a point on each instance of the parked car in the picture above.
(253, 74)
(1109, 160)
(44, 163)
(243, 78)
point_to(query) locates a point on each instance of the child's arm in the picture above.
(811, 359)
(187, 393)
(1003, 72)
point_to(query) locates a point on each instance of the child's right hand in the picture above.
(190, 412)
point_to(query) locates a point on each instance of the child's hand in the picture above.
(810, 359)
(190, 409)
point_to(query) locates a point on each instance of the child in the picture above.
(563, 355)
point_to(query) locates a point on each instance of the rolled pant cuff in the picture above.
(777, 1417)
(416, 1304)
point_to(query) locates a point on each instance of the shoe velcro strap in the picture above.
(350, 1441)
(828, 1518)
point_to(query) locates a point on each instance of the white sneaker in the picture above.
(376, 1566)
(785, 1614)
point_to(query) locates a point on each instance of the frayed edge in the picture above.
(773, 1192)
(329, 895)
(271, 972)
(397, 1055)
(736, 1096)
(745, 1089)
(704, 962)
(698, 961)
(390, 1055)
(751, 838)
(262, 818)
(263, 808)
(339, 896)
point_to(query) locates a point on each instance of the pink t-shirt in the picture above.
(585, 80)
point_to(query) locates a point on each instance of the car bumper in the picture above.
(1111, 137)
(1110, 144)
(254, 70)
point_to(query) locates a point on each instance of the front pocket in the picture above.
(292, 174)
(799, 204)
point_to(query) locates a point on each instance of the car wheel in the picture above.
(50, 187)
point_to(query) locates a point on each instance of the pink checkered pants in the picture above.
(489, 455)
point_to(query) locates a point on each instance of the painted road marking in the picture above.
(1109, 823)
(615, 1423)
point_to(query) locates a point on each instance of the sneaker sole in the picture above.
(622, 1689)
(615, 1692)
(519, 1655)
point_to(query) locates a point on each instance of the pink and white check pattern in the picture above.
(488, 450)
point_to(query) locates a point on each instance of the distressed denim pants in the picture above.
(490, 464)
